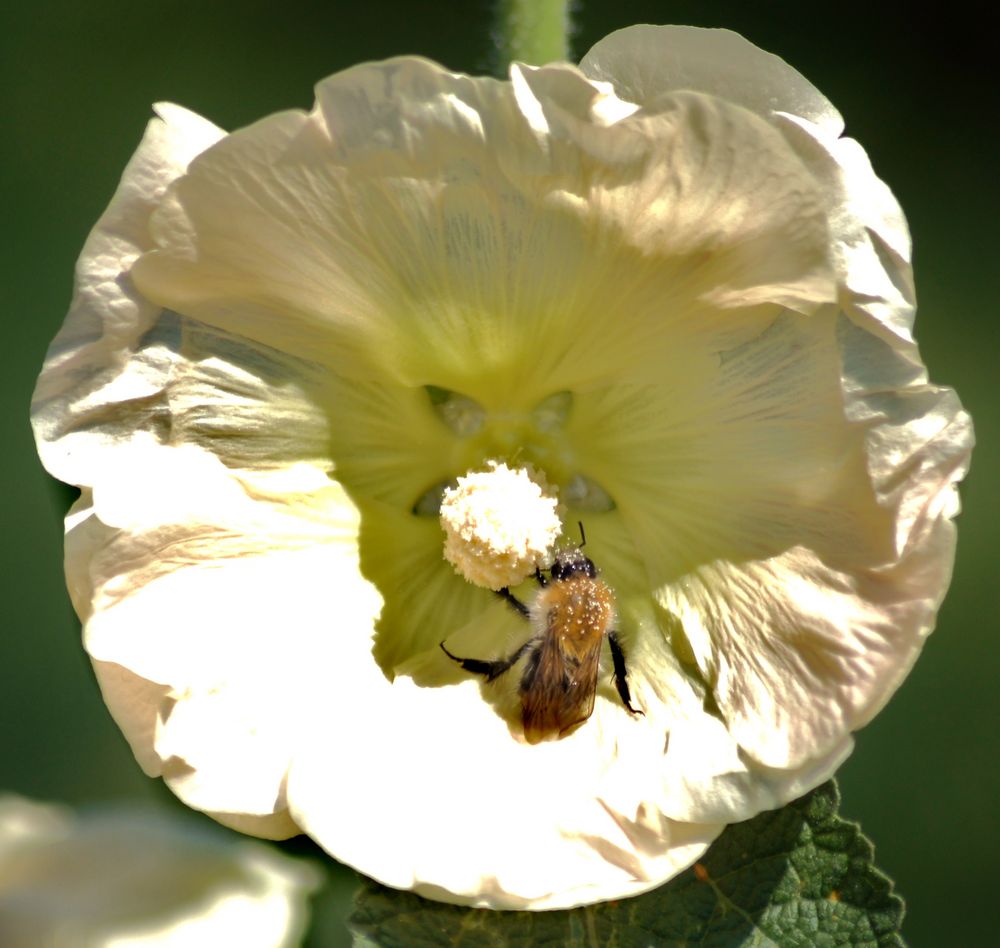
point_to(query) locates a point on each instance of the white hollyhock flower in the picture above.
(127, 879)
(664, 282)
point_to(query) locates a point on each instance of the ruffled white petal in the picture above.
(127, 878)
(644, 62)
(418, 225)
(203, 571)
(840, 501)
(871, 237)
(90, 399)
(707, 774)
(552, 826)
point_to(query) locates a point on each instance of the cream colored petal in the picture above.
(276, 826)
(642, 62)
(870, 234)
(555, 825)
(137, 705)
(670, 215)
(232, 653)
(89, 393)
(438, 229)
(801, 537)
(123, 372)
(707, 776)
(741, 452)
(252, 407)
(800, 654)
(696, 769)
(373, 252)
(127, 878)
(188, 568)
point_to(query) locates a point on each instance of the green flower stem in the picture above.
(533, 31)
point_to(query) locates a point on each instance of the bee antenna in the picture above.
(583, 536)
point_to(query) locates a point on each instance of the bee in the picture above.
(572, 614)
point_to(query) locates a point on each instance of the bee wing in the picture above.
(558, 688)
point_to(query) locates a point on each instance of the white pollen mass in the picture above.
(499, 524)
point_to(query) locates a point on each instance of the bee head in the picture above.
(570, 563)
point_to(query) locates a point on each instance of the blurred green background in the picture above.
(917, 90)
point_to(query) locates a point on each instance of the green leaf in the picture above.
(799, 876)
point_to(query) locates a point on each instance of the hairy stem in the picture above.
(532, 31)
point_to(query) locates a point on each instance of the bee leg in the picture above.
(621, 675)
(540, 577)
(491, 669)
(513, 601)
